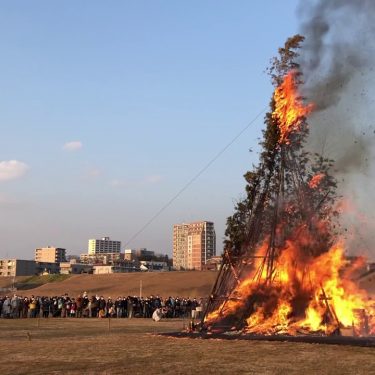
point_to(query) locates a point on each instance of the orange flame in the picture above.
(308, 294)
(316, 180)
(289, 109)
(309, 289)
(243, 289)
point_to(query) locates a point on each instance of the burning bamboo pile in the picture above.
(284, 269)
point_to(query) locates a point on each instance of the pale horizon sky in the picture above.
(108, 109)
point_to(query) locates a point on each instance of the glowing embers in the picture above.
(316, 180)
(289, 109)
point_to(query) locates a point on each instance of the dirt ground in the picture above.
(92, 346)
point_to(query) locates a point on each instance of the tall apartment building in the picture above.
(180, 232)
(193, 244)
(104, 245)
(50, 254)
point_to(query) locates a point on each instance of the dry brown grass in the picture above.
(7, 281)
(85, 346)
(184, 284)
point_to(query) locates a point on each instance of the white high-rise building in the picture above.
(104, 245)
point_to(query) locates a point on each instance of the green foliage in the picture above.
(35, 281)
(278, 190)
(286, 60)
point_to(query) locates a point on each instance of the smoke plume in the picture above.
(337, 60)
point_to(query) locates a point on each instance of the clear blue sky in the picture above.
(108, 108)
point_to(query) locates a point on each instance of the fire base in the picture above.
(310, 339)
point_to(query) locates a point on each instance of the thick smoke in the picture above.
(337, 60)
(339, 45)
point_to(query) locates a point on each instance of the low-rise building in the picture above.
(129, 254)
(150, 265)
(139, 254)
(22, 267)
(46, 268)
(104, 258)
(213, 264)
(144, 254)
(124, 268)
(74, 267)
(17, 267)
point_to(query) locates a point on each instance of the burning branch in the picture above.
(282, 270)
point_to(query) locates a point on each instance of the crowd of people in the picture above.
(84, 306)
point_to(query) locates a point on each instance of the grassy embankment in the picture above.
(183, 284)
(30, 282)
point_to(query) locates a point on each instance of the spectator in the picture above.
(6, 308)
(32, 308)
(83, 306)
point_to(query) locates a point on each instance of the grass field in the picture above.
(131, 346)
(183, 284)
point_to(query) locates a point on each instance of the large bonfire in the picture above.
(284, 269)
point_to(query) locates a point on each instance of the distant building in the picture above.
(144, 254)
(17, 267)
(180, 233)
(152, 266)
(21, 267)
(130, 254)
(104, 245)
(101, 258)
(139, 254)
(74, 267)
(43, 268)
(100, 270)
(213, 264)
(72, 257)
(193, 245)
(50, 254)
